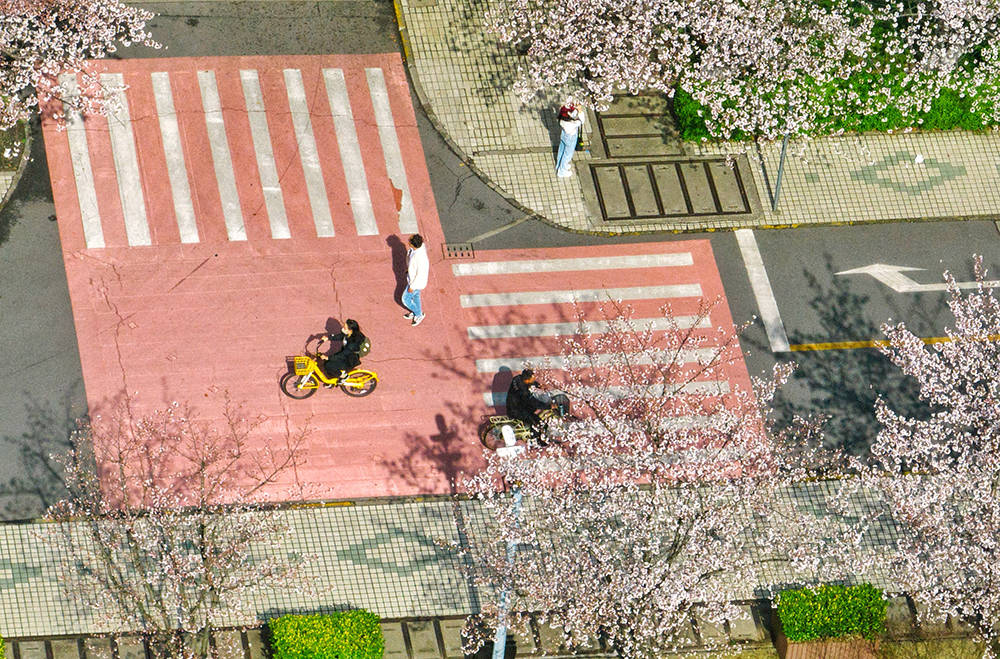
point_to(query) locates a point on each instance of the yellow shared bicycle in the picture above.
(305, 376)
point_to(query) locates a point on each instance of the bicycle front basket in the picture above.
(301, 365)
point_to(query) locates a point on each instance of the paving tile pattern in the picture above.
(383, 556)
(464, 77)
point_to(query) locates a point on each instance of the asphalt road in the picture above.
(41, 386)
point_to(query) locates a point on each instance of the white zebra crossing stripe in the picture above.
(173, 151)
(390, 148)
(574, 328)
(584, 295)
(565, 362)
(350, 152)
(705, 387)
(83, 175)
(308, 153)
(222, 160)
(126, 164)
(261, 137)
(571, 264)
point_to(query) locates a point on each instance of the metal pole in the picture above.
(500, 639)
(781, 170)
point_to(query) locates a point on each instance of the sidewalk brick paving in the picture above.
(384, 556)
(463, 77)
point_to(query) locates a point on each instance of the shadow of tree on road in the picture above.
(843, 384)
(38, 482)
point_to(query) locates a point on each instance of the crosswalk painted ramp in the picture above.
(520, 306)
(239, 149)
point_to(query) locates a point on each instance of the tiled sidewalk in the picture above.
(463, 77)
(384, 556)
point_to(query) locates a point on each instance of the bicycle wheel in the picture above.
(489, 435)
(298, 386)
(358, 384)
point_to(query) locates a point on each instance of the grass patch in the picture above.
(12, 144)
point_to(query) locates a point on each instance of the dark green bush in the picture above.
(832, 612)
(344, 635)
(690, 117)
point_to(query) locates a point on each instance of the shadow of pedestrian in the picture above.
(398, 249)
(499, 387)
(550, 119)
(332, 327)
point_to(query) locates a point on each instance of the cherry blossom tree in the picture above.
(41, 39)
(937, 475)
(644, 507)
(165, 531)
(759, 67)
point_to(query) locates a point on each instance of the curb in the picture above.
(418, 90)
(21, 166)
(425, 106)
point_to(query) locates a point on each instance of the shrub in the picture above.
(832, 612)
(344, 635)
(948, 111)
(690, 117)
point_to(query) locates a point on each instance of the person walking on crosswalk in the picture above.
(417, 268)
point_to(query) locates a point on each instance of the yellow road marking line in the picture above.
(854, 345)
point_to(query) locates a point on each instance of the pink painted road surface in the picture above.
(242, 203)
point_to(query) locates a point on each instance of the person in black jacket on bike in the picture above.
(345, 348)
(522, 404)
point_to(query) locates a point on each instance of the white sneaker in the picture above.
(408, 315)
(418, 319)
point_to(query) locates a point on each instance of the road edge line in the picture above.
(762, 291)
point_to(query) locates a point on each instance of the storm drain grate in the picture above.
(669, 189)
(459, 251)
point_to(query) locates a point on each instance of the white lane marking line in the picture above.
(574, 328)
(565, 362)
(761, 286)
(702, 387)
(308, 153)
(572, 264)
(350, 152)
(222, 159)
(390, 148)
(583, 295)
(173, 151)
(83, 175)
(270, 186)
(126, 165)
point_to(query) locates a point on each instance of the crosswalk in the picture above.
(200, 151)
(519, 310)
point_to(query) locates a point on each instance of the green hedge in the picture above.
(344, 635)
(832, 612)
(948, 111)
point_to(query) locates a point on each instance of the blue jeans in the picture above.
(567, 146)
(411, 300)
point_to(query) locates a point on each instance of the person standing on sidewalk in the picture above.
(418, 266)
(570, 121)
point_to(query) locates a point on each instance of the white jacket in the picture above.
(417, 268)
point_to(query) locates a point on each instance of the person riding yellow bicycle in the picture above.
(338, 368)
(345, 350)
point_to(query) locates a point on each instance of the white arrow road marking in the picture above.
(761, 286)
(893, 277)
